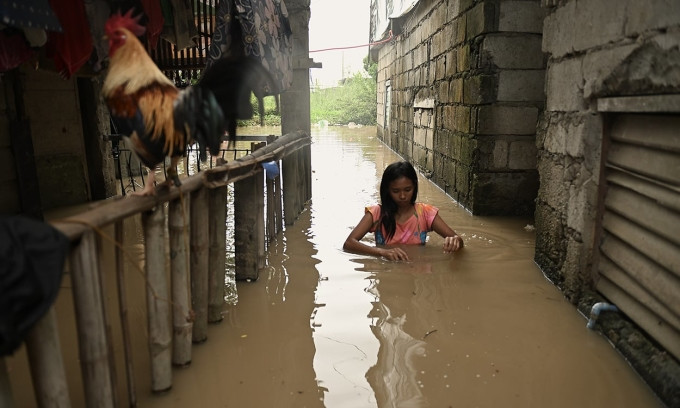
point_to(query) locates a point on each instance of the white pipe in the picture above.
(597, 308)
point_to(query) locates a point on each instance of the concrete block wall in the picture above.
(594, 48)
(597, 48)
(479, 65)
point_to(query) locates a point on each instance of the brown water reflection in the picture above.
(325, 328)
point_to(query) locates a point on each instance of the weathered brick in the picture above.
(564, 86)
(522, 154)
(463, 58)
(521, 16)
(513, 52)
(657, 14)
(481, 19)
(462, 119)
(453, 9)
(451, 58)
(479, 89)
(456, 90)
(439, 43)
(420, 136)
(461, 28)
(448, 117)
(521, 85)
(598, 64)
(443, 89)
(507, 120)
(578, 26)
(500, 154)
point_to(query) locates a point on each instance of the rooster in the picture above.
(160, 119)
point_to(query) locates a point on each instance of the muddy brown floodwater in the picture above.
(326, 328)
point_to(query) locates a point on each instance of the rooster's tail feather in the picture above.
(232, 80)
(200, 116)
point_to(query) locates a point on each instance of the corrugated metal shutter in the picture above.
(639, 253)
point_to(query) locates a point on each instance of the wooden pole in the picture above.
(92, 340)
(278, 209)
(271, 212)
(307, 152)
(6, 398)
(218, 247)
(248, 209)
(182, 321)
(123, 312)
(157, 300)
(199, 263)
(47, 364)
(289, 170)
(301, 182)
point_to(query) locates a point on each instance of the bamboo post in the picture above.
(217, 254)
(92, 339)
(6, 398)
(259, 224)
(278, 209)
(271, 213)
(157, 301)
(182, 322)
(289, 170)
(248, 217)
(199, 263)
(307, 153)
(123, 312)
(47, 364)
(302, 180)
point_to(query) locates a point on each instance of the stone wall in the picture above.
(465, 82)
(597, 48)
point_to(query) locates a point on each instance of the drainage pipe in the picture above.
(596, 309)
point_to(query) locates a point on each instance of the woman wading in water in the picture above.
(399, 219)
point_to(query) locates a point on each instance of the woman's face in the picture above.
(401, 191)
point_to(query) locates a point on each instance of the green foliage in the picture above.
(371, 67)
(353, 101)
(272, 117)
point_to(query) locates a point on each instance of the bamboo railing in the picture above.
(195, 286)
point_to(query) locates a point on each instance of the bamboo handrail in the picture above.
(120, 208)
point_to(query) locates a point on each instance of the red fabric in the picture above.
(154, 27)
(13, 50)
(71, 48)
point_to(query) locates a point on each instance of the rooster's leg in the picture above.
(172, 172)
(149, 185)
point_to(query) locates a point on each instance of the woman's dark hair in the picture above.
(388, 206)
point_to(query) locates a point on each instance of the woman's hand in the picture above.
(394, 254)
(452, 244)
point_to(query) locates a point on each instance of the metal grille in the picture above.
(183, 66)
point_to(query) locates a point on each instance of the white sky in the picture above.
(338, 23)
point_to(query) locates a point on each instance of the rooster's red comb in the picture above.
(126, 20)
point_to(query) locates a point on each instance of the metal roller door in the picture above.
(638, 266)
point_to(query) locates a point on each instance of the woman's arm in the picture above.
(353, 242)
(452, 241)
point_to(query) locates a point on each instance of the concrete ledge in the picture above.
(651, 103)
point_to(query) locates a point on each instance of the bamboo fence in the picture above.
(194, 284)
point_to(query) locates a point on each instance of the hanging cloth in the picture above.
(71, 48)
(154, 26)
(259, 30)
(179, 27)
(29, 14)
(32, 255)
(13, 49)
